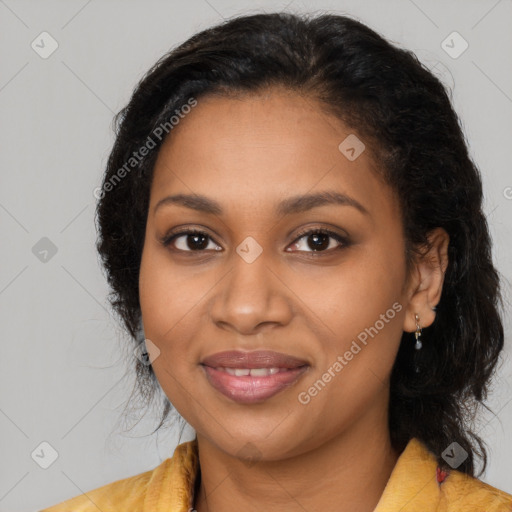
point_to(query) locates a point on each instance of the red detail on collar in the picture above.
(441, 475)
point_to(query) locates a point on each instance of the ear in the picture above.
(426, 283)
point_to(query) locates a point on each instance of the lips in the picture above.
(250, 377)
(256, 359)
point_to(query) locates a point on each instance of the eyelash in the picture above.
(167, 240)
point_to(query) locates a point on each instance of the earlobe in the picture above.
(428, 286)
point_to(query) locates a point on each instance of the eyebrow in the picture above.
(290, 205)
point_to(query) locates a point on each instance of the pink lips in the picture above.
(250, 377)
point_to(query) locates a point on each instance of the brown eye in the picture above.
(316, 240)
(193, 240)
(320, 241)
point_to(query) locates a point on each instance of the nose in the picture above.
(252, 297)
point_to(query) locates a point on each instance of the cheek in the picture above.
(364, 312)
(167, 295)
(361, 289)
(165, 302)
(172, 303)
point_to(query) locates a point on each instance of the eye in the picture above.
(319, 240)
(194, 240)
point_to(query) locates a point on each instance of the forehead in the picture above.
(261, 146)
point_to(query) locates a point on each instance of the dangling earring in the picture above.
(418, 344)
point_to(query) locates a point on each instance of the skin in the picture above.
(249, 153)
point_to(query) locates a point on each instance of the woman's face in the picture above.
(334, 309)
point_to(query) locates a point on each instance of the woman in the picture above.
(292, 229)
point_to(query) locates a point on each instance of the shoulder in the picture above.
(121, 495)
(460, 491)
(169, 485)
(418, 483)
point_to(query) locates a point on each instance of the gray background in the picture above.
(63, 377)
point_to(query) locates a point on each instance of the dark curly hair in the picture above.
(404, 114)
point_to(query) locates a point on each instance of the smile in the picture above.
(251, 377)
(254, 384)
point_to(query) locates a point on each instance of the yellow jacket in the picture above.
(415, 485)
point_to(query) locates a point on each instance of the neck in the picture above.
(348, 472)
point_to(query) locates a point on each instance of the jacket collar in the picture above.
(412, 487)
(414, 483)
(171, 487)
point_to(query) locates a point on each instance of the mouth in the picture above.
(252, 377)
